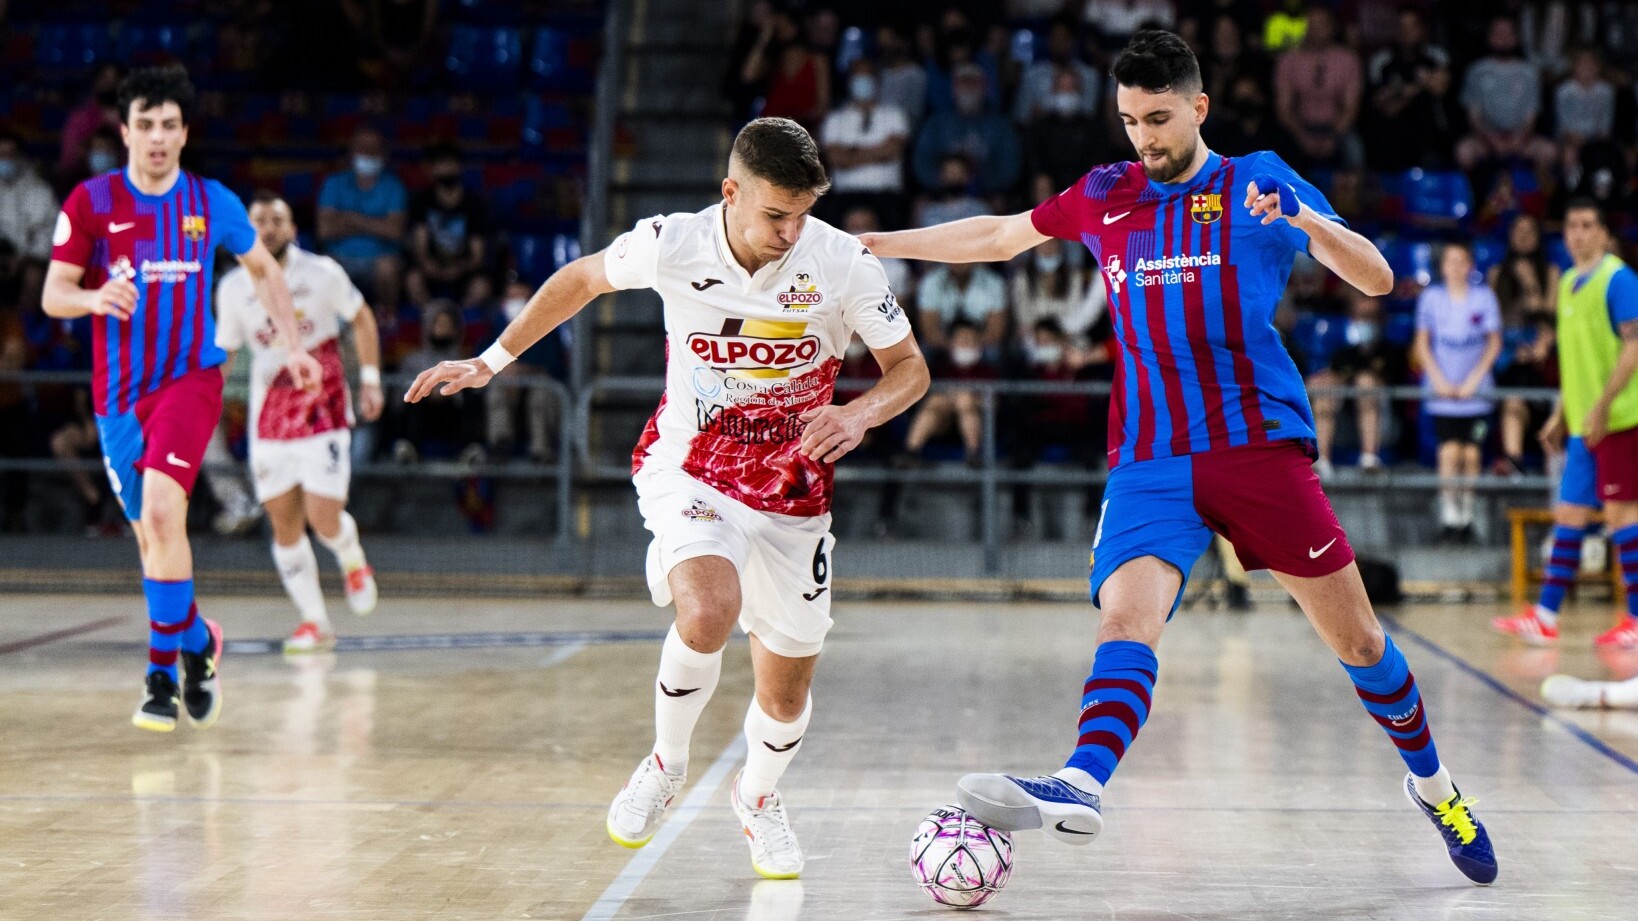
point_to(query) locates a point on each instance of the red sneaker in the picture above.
(1624, 636)
(1527, 626)
(309, 637)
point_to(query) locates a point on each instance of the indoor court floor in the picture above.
(455, 762)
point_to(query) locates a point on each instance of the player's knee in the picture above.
(1365, 649)
(785, 705)
(164, 521)
(705, 628)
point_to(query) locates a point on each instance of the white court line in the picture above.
(609, 903)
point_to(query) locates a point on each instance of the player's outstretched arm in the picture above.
(268, 278)
(972, 239)
(833, 430)
(563, 295)
(64, 299)
(1355, 259)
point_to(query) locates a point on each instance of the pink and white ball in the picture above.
(958, 860)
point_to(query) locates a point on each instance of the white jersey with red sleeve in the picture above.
(324, 299)
(746, 355)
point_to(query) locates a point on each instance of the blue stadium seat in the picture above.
(1400, 327)
(1488, 251)
(562, 59)
(1420, 258)
(1318, 338)
(565, 249)
(484, 12)
(1023, 47)
(854, 45)
(532, 257)
(482, 58)
(66, 48)
(1436, 199)
(541, 116)
(145, 44)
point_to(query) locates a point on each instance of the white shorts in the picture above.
(322, 465)
(783, 560)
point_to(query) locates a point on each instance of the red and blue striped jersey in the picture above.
(1193, 281)
(166, 246)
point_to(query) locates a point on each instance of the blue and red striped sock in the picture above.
(1388, 690)
(1113, 706)
(1562, 562)
(172, 619)
(1626, 544)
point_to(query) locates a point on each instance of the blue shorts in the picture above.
(1579, 485)
(1264, 498)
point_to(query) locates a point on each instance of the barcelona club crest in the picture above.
(193, 227)
(1206, 207)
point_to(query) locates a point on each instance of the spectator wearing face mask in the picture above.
(449, 426)
(1368, 362)
(957, 409)
(985, 137)
(1041, 91)
(362, 216)
(99, 111)
(952, 198)
(865, 142)
(448, 231)
(28, 211)
(962, 293)
(1062, 137)
(1035, 423)
(1046, 287)
(538, 406)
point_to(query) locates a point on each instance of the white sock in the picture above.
(298, 570)
(1464, 508)
(772, 745)
(1550, 618)
(1078, 779)
(686, 682)
(1449, 516)
(1436, 789)
(349, 552)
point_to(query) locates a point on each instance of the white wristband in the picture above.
(369, 376)
(497, 358)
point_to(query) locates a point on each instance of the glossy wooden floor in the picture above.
(470, 783)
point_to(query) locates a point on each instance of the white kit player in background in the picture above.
(301, 441)
(734, 471)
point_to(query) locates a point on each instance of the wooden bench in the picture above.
(1526, 575)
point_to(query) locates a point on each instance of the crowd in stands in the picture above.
(1451, 133)
(443, 183)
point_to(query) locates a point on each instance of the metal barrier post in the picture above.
(987, 490)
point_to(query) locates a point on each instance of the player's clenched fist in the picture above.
(116, 298)
(832, 431)
(304, 369)
(455, 376)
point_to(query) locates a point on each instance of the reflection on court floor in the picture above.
(454, 760)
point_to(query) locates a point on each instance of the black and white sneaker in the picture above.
(159, 707)
(200, 689)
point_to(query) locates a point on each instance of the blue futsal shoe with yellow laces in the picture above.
(1465, 837)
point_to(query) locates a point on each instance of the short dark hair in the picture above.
(1588, 203)
(782, 152)
(155, 86)
(1158, 61)
(266, 197)
(442, 151)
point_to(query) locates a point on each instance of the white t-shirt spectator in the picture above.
(1505, 91)
(985, 294)
(1584, 111)
(853, 126)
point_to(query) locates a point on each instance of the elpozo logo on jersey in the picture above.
(756, 348)
(802, 295)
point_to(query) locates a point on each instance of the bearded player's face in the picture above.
(1164, 128)
(767, 218)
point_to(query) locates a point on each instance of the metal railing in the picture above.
(578, 464)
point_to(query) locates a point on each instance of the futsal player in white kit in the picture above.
(734, 472)
(301, 440)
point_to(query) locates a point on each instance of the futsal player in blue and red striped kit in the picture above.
(1210, 430)
(135, 248)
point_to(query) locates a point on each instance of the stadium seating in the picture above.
(485, 58)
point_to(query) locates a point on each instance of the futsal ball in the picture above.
(958, 860)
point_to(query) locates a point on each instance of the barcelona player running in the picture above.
(1210, 430)
(135, 248)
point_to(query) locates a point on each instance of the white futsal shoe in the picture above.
(637, 809)
(775, 853)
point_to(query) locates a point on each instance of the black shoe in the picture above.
(200, 689)
(1239, 597)
(158, 710)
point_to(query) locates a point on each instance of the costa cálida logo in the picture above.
(756, 348)
(803, 293)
